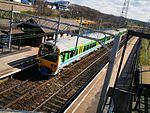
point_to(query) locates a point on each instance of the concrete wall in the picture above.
(6, 5)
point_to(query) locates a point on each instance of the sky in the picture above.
(138, 9)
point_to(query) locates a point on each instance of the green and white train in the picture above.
(52, 59)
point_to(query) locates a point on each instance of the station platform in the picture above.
(10, 64)
(88, 100)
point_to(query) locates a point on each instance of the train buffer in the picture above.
(14, 63)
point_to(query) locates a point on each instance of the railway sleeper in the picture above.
(50, 110)
(26, 90)
(83, 81)
(61, 98)
(24, 104)
(53, 105)
(3, 102)
(71, 92)
(16, 94)
(60, 85)
(81, 84)
(58, 101)
(7, 97)
(1, 107)
(35, 105)
(77, 87)
(49, 94)
(23, 87)
(67, 91)
(57, 85)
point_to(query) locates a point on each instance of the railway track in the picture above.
(51, 89)
(50, 95)
(59, 98)
(16, 89)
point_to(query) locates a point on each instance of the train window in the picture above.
(63, 57)
(47, 52)
(76, 51)
(107, 38)
(66, 56)
(91, 45)
(71, 53)
(45, 49)
(84, 49)
(102, 39)
(88, 47)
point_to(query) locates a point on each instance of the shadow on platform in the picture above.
(21, 63)
(31, 75)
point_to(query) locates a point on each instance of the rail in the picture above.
(53, 88)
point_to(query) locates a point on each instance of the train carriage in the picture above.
(52, 59)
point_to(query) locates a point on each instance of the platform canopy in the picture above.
(36, 25)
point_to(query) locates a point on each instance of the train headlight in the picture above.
(53, 65)
(39, 61)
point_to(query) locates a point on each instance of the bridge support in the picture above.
(112, 58)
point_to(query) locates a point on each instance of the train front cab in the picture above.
(48, 59)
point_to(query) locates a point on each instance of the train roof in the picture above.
(66, 43)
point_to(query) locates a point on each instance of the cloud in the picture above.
(138, 9)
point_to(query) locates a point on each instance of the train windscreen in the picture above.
(47, 52)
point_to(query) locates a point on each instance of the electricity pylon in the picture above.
(124, 12)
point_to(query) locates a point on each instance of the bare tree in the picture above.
(40, 4)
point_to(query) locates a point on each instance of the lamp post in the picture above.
(10, 28)
(80, 26)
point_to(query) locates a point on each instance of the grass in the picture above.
(144, 45)
(47, 13)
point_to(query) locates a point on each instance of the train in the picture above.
(52, 59)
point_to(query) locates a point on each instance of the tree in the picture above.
(40, 6)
